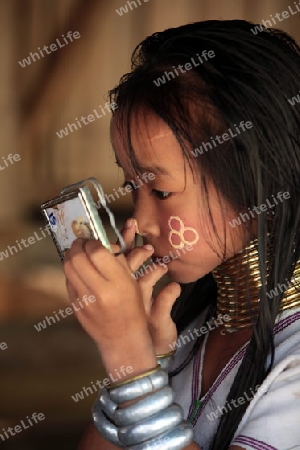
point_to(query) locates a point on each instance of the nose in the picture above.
(145, 215)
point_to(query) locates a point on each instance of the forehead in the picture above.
(153, 142)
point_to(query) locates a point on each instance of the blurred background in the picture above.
(41, 371)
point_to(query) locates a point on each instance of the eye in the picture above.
(161, 195)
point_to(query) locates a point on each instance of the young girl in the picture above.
(208, 110)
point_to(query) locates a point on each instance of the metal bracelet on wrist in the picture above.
(139, 388)
(176, 439)
(165, 429)
(152, 426)
(147, 420)
(144, 408)
(107, 429)
(165, 360)
(165, 363)
(107, 405)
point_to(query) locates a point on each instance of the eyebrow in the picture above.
(158, 170)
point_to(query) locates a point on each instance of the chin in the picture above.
(182, 277)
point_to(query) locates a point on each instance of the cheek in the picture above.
(179, 233)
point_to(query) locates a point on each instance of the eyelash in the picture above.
(158, 194)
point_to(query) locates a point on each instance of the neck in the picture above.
(239, 284)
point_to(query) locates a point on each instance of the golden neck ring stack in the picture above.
(239, 285)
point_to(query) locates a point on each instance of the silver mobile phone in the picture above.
(74, 214)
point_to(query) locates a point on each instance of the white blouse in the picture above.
(272, 419)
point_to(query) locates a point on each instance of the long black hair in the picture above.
(250, 78)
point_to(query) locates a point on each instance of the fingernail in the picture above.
(136, 228)
(149, 247)
(128, 224)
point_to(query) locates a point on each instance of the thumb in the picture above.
(163, 303)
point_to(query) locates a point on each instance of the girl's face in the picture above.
(170, 206)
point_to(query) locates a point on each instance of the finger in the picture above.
(115, 248)
(138, 256)
(91, 256)
(111, 268)
(128, 233)
(74, 262)
(124, 258)
(163, 303)
(72, 293)
(80, 271)
(147, 283)
(134, 258)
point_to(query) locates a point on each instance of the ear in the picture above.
(74, 226)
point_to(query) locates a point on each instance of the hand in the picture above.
(116, 320)
(160, 324)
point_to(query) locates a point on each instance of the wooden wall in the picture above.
(40, 99)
